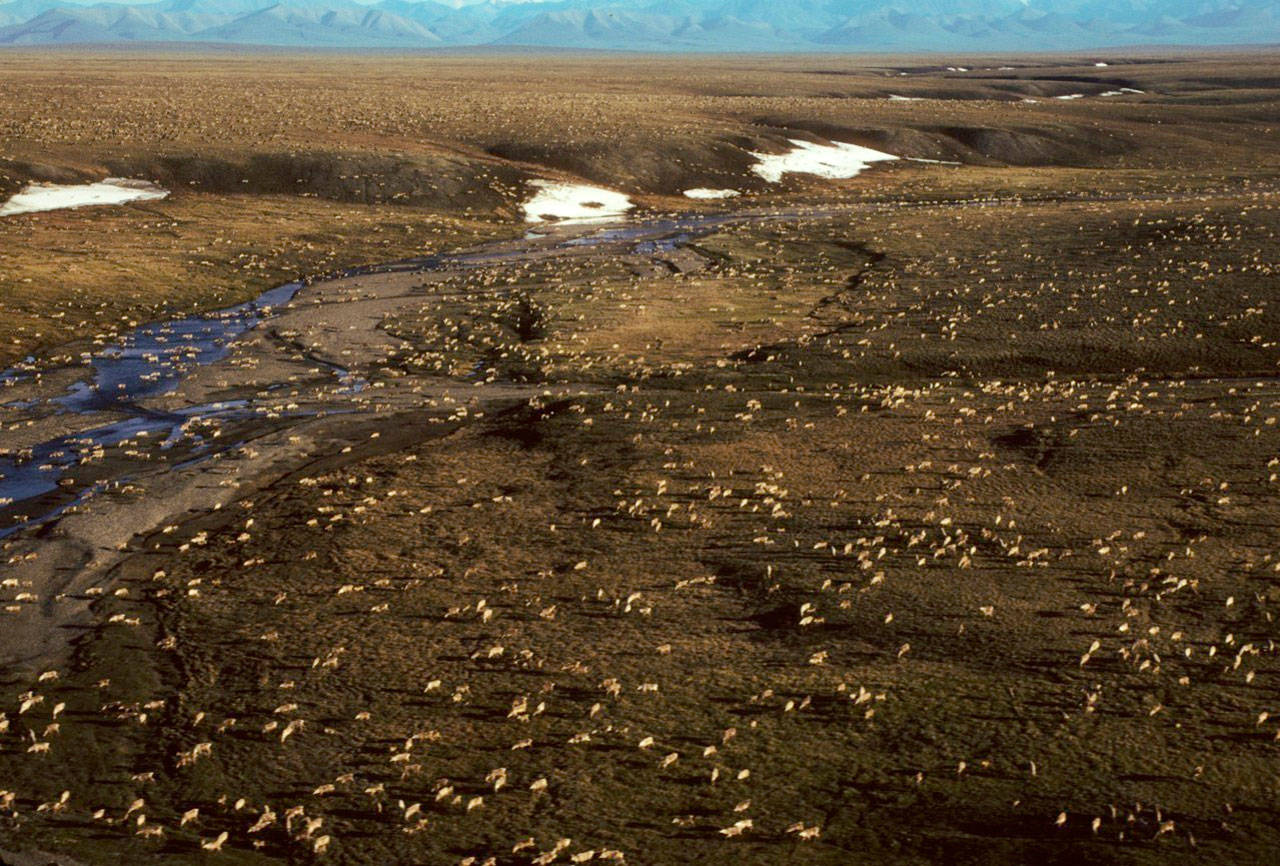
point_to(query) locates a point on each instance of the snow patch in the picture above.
(558, 200)
(49, 196)
(702, 192)
(893, 97)
(1071, 96)
(837, 160)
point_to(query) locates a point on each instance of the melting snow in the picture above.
(837, 160)
(893, 97)
(1071, 96)
(557, 200)
(49, 196)
(701, 192)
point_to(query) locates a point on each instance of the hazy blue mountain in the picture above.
(653, 25)
(299, 24)
(55, 26)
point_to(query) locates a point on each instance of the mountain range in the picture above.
(652, 25)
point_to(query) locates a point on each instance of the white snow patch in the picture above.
(702, 192)
(893, 97)
(1100, 64)
(1071, 96)
(557, 200)
(837, 160)
(49, 196)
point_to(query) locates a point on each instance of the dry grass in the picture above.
(272, 153)
(68, 275)
(881, 600)
(929, 530)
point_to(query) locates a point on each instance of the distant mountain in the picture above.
(301, 25)
(652, 25)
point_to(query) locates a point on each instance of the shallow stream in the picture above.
(155, 359)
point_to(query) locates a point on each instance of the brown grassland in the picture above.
(929, 516)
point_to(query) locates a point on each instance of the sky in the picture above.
(454, 3)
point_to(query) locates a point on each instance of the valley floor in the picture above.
(934, 524)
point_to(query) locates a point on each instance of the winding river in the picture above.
(126, 412)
